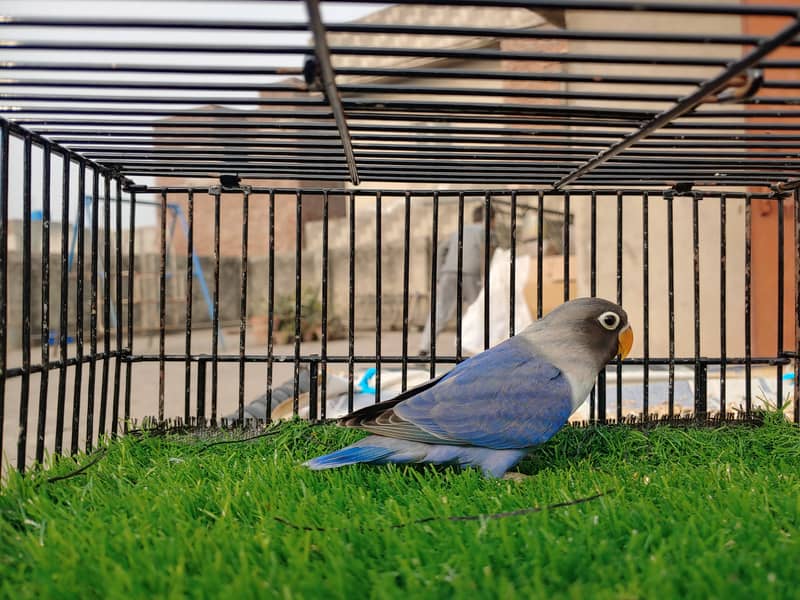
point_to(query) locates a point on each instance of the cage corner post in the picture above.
(796, 388)
(4, 186)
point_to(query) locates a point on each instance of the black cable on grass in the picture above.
(500, 515)
(241, 441)
(103, 451)
(79, 471)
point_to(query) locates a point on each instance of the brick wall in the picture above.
(231, 215)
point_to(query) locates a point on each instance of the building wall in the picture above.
(765, 222)
(633, 288)
(231, 215)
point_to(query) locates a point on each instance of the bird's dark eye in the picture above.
(609, 320)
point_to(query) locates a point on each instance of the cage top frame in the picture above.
(366, 110)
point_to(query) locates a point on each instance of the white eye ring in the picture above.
(609, 320)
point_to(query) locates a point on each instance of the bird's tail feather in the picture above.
(348, 456)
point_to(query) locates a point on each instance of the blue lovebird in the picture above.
(495, 407)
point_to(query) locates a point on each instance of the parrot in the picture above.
(493, 408)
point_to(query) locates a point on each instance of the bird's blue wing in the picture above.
(503, 398)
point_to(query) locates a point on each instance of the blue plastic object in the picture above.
(53, 339)
(363, 383)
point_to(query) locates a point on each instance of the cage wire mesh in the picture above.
(241, 211)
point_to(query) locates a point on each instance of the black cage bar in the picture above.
(256, 210)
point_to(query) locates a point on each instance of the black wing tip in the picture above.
(373, 410)
(368, 413)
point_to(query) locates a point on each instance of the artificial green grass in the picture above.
(692, 513)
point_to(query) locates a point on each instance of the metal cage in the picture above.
(656, 144)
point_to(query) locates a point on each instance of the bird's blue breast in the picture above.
(506, 397)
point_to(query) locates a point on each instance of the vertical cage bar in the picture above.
(460, 278)
(671, 304)
(748, 222)
(25, 381)
(406, 252)
(270, 300)
(313, 383)
(723, 321)
(243, 301)
(797, 306)
(512, 276)
(593, 245)
(4, 160)
(703, 389)
(646, 304)
(487, 242)
(45, 322)
(118, 307)
(324, 309)
(162, 303)
(202, 365)
(63, 297)
(79, 299)
(131, 279)
(298, 292)
(539, 254)
(434, 276)
(565, 245)
(780, 290)
(699, 372)
(93, 268)
(597, 405)
(619, 298)
(378, 292)
(351, 292)
(187, 349)
(215, 313)
(106, 303)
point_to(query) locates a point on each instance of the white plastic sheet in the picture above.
(499, 295)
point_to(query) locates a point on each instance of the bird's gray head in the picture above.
(601, 326)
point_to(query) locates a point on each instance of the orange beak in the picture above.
(625, 341)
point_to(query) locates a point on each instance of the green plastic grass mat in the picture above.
(666, 512)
